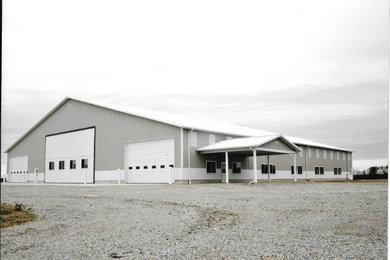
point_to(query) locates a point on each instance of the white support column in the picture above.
(295, 166)
(181, 152)
(269, 169)
(35, 175)
(119, 176)
(227, 166)
(254, 166)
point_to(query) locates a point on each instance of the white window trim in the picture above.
(319, 173)
(269, 167)
(215, 166)
(292, 165)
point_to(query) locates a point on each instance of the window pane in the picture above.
(335, 171)
(316, 170)
(84, 163)
(211, 167)
(72, 164)
(292, 169)
(299, 169)
(321, 170)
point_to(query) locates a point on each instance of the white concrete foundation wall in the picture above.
(125, 176)
(39, 177)
(201, 174)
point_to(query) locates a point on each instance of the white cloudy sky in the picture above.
(313, 69)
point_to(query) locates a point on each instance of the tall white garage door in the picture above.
(18, 169)
(70, 157)
(150, 161)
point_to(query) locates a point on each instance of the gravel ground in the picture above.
(278, 220)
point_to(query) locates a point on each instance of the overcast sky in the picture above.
(311, 69)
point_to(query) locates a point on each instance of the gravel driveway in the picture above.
(278, 220)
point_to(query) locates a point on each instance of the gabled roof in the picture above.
(179, 121)
(246, 143)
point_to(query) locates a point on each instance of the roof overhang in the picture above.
(262, 145)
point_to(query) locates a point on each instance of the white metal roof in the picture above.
(184, 122)
(245, 142)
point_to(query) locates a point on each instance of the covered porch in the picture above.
(253, 146)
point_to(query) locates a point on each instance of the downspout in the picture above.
(181, 152)
(189, 155)
(307, 148)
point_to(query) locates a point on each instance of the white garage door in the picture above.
(150, 161)
(18, 169)
(70, 157)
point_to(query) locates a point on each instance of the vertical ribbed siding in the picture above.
(113, 130)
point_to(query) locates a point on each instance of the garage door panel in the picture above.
(148, 154)
(18, 169)
(75, 146)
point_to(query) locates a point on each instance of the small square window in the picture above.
(162, 166)
(130, 168)
(84, 163)
(171, 166)
(62, 165)
(145, 167)
(72, 164)
(153, 166)
(51, 165)
(137, 167)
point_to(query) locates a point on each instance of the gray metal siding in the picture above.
(282, 162)
(113, 129)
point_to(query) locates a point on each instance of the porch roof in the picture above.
(262, 144)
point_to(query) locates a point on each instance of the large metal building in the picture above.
(87, 142)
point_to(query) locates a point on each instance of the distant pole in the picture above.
(227, 166)
(254, 166)
(35, 175)
(295, 167)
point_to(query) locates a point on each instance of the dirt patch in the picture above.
(10, 216)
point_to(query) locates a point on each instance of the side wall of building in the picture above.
(308, 160)
(113, 130)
